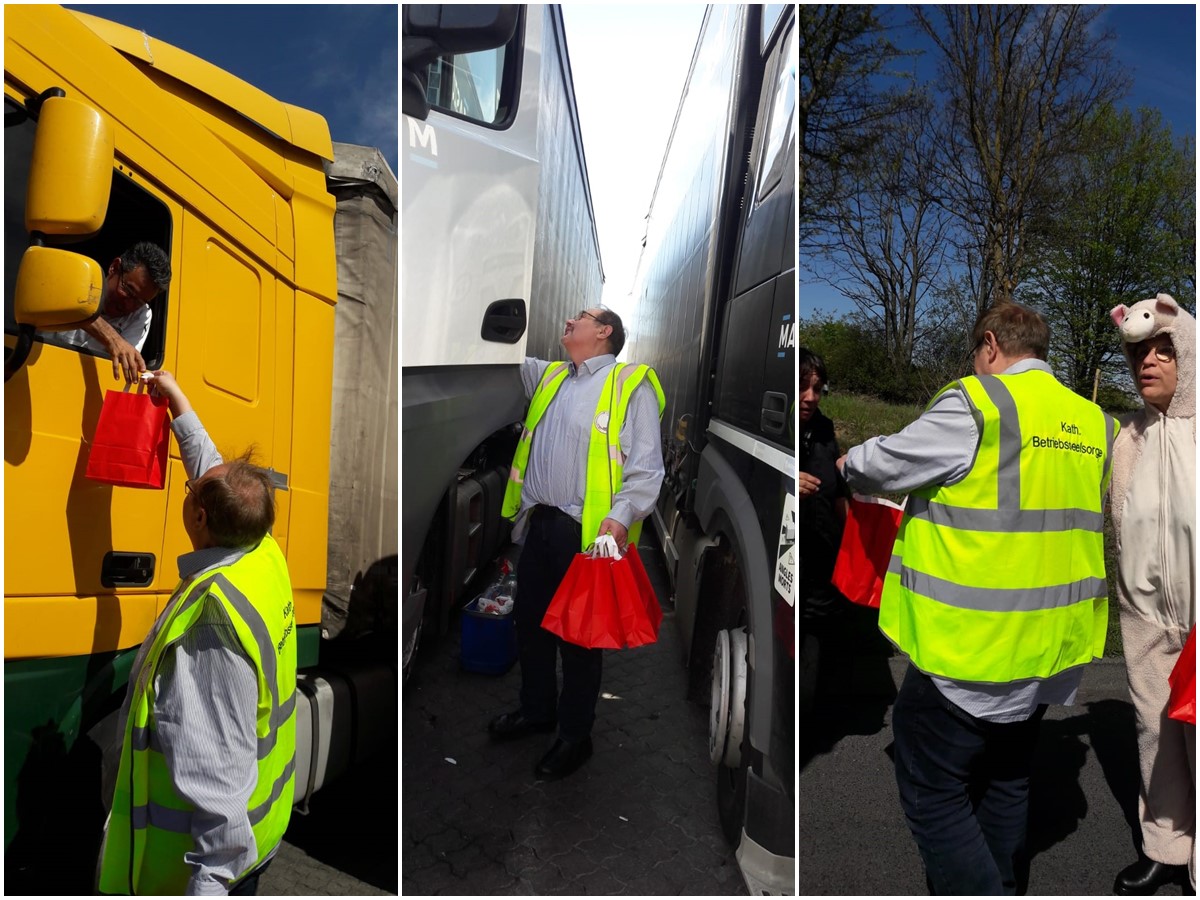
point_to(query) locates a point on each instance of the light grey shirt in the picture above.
(939, 448)
(133, 327)
(206, 697)
(556, 473)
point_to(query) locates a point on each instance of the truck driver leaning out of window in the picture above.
(133, 280)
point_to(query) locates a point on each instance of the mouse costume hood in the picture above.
(1162, 315)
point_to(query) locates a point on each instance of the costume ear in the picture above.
(1118, 313)
(1166, 304)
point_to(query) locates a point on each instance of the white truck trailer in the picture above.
(500, 246)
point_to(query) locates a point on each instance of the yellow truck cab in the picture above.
(234, 186)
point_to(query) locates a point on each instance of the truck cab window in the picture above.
(18, 148)
(778, 149)
(479, 86)
(133, 215)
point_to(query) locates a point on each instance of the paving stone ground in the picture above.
(293, 873)
(638, 818)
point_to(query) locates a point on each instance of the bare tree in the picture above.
(843, 102)
(1021, 83)
(888, 244)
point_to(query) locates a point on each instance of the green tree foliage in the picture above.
(856, 359)
(1121, 236)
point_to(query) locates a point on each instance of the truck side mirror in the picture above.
(70, 170)
(431, 30)
(55, 290)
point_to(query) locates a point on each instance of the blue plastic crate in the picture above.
(489, 642)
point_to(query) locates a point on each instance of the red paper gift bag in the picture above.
(583, 609)
(640, 613)
(1182, 702)
(866, 550)
(131, 442)
(602, 603)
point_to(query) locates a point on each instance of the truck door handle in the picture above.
(504, 321)
(122, 569)
(774, 412)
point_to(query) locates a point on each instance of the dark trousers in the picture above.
(248, 886)
(964, 787)
(551, 544)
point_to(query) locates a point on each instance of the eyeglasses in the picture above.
(189, 490)
(971, 353)
(1162, 352)
(584, 312)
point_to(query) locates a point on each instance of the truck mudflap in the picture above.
(766, 852)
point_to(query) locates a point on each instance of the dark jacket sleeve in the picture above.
(820, 529)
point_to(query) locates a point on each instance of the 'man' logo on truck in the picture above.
(787, 336)
(421, 134)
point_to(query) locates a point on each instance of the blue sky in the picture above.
(1156, 45)
(340, 61)
(624, 141)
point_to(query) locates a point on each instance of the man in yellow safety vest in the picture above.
(996, 591)
(207, 772)
(589, 463)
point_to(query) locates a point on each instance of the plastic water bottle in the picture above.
(508, 582)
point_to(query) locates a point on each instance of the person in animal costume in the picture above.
(1153, 503)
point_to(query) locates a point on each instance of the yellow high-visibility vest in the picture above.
(150, 829)
(1000, 577)
(605, 462)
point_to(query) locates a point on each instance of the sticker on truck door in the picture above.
(785, 558)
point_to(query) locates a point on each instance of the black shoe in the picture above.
(511, 725)
(563, 758)
(1146, 876)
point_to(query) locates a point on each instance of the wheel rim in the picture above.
(718, 710)
(727, 712)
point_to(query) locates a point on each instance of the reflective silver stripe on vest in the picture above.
(258, 813)
(279, 718)
(266, 647)
(178, 821)
(1033, 521)
(1008, 489)
(1055, 596)
(141, 739)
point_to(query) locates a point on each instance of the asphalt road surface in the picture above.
(853, 837)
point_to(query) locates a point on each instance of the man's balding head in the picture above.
(238, 500)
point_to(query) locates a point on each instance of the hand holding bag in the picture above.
(866, 550)
(132, 437)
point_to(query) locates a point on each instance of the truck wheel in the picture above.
(728, 743)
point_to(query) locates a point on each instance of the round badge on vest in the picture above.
(601, 422)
